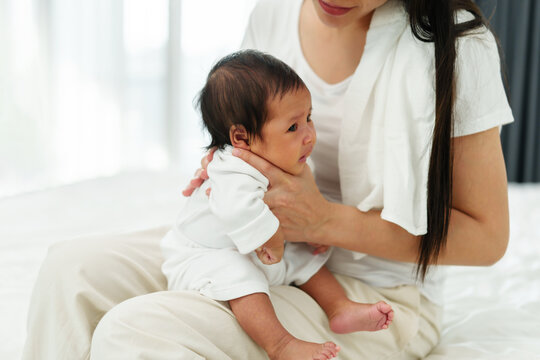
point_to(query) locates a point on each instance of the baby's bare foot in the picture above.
(297, 349)
(362, 317)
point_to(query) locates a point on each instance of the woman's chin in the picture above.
(329, 20)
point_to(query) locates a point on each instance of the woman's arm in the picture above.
(478, 233)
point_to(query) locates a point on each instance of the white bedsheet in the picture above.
(490, 313)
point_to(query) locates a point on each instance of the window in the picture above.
(93, 88)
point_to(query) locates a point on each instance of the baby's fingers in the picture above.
(193, 184)
(266, 256)
(320, 249)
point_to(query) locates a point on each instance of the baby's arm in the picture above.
(237, 201)
(271, 251)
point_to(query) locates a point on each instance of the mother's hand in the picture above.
(295, 200)
(201, 175)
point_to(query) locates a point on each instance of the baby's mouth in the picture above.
(304, 157)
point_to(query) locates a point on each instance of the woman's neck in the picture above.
(332, 52)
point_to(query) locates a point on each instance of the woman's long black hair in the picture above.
(434, 21)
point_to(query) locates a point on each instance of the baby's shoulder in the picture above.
(225, 166)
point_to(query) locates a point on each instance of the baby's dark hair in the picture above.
(237, 92)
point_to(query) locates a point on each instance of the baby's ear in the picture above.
(239, 137)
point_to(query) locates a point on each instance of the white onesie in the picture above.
(211, 246)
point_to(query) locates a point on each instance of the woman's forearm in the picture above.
(468, 240)
(349, 228)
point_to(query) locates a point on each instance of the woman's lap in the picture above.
(186, 325)
(120, 275)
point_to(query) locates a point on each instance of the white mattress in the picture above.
(490, 313)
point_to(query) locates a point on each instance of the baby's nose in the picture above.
(310, 135)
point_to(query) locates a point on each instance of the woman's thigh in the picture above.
(80, 280)
(186, 325)
(106, 269)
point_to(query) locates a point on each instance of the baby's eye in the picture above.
(293, 127)
(309, 118)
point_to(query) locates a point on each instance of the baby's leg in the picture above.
(344, 315)
(256, 315)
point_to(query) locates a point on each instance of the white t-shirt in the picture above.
(374, 128)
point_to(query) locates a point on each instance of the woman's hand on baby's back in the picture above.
(200, 175)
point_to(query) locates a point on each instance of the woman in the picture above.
(409, 173)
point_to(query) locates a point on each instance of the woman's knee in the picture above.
(70, 260)
(170, 324)
(131, 260)
(123, 316)
(135, 327)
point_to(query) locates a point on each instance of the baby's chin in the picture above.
(297, 169)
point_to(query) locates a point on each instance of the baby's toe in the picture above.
(384, 307)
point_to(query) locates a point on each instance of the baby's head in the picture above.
(256, 102)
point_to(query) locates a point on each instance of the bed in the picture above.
(490, 313)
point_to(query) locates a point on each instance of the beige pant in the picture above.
(115, 283)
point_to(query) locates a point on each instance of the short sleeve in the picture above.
(481, 101)
(237, 201)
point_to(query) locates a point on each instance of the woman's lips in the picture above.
(334, 10)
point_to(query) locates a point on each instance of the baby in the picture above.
(228, 245)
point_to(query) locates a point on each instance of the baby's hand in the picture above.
(319, 249)
(269, 256)
(271, 251)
